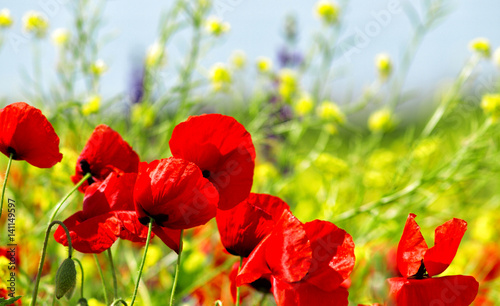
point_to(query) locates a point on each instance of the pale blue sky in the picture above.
(255, 28)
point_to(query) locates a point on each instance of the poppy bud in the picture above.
(82, 302)
(65, 278)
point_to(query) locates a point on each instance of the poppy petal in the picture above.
(244, 226)
(105, 152)
(89, 236)
(28, 134)
(98, 234)
(175, 194)
(332, 255)
(411, 248)
(115, 193)
(171, 237)
(446, 242)
(288, 252)
(223, 150)
(456, 290)
(255, 266)
(304, 294)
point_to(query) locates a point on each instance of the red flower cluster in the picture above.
(418, 264)
(212, 167)
(28, 135)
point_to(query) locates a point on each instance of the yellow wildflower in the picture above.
(5, 18)
(381, 121)
(36, 23)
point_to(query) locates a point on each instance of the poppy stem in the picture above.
(104, 288)
(81, 269)
(238, 288)
(143, 261)
(86, 177)
(115, 283)
(5, 181)
(116, 302)
(177, 268)
(262, 299)
(42, 259)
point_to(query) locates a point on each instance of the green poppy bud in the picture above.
(65, 278)
(82, 302)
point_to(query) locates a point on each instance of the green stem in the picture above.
(262, 299)
(86, 177)
(116, 302)
(104, 289)
(177, 268)
(42, 259)
(409, 189)
(81, 269)
(451, 96)
(115, 283)
(143, 261)
(5, 181)
(238, 288)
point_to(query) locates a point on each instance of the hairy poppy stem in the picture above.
(238, 288)
(104, 288)
(115, 283)
(143, 261)
(86, 177)
(42, 259)
(81, 269)
(5, 181)
(177, 268)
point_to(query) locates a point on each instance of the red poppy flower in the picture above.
(223, 150)
(108, 214)
(175, 194)
(418, 263)
(28, 135)
(330, 261)
(244, 226)
(105, 152)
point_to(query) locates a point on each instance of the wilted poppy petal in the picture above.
(288, 251)
(105, 152)
(223, 150)
(446, 242)
(244, 226)
(171, 237)
(29, 135)
(305, 294)
(411, 248)
(332, 255)
(457, 290)
(175, 194)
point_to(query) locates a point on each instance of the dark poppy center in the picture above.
(262, 285)
(10, 150)
(206, 173)
(421, 273)
(158, 219)
(85, 166)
